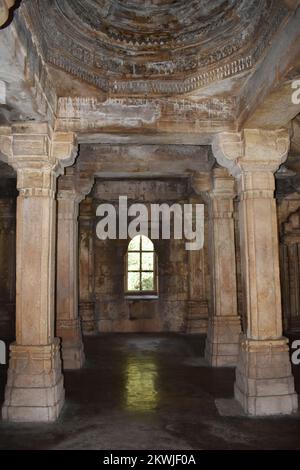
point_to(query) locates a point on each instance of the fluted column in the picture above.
(68, 327)
(264, 382)
(224, 326)
(34, 389)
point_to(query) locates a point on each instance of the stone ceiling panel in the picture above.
(153, 47)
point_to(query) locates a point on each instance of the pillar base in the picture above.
(264, 381)
(197, 318)
(87, 315)
(34, 390)
(72, 346)
(222, 342)
(73, 356)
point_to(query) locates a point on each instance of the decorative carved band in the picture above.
(102, 50)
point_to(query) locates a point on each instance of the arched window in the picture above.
(141, 267)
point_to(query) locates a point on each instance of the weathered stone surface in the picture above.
(193, 29)
(71, 190)
(148, 87)
(253, 157)
(264, 382)
(34, 390)
(35, 386)
(183, 276)
(86, 267)
(224, 324)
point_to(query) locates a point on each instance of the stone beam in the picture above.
(267, 95)
(277, 110)
(113, 161)
(174, 119)
(176, 134)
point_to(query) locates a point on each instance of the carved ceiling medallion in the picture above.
(153, 47)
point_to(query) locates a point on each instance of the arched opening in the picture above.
(141, 273)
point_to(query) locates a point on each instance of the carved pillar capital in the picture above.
(74, 185)
(201, 182)
(223, 184)
(252, 150)
(38, 155)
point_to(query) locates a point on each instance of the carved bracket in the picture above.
(251, 150)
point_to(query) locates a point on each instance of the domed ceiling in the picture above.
(153, 47)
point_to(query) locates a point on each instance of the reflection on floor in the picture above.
(150, 392)
(141, 377)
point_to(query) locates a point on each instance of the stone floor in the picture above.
(151, 392)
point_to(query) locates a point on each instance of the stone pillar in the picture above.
(224, 326)
(34, 390)
(86, 268)
(197, 316)
(264, 382)
(71, 191)
(8, 265)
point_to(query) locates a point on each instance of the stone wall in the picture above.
(179, 297)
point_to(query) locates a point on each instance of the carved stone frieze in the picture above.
(159, 49)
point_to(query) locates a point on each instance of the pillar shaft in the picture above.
(264, 382)
(86, 269)
(224, 325)
(259, 245)
(36, 212)
(197, 314)
(34, 390)
(68, 327)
